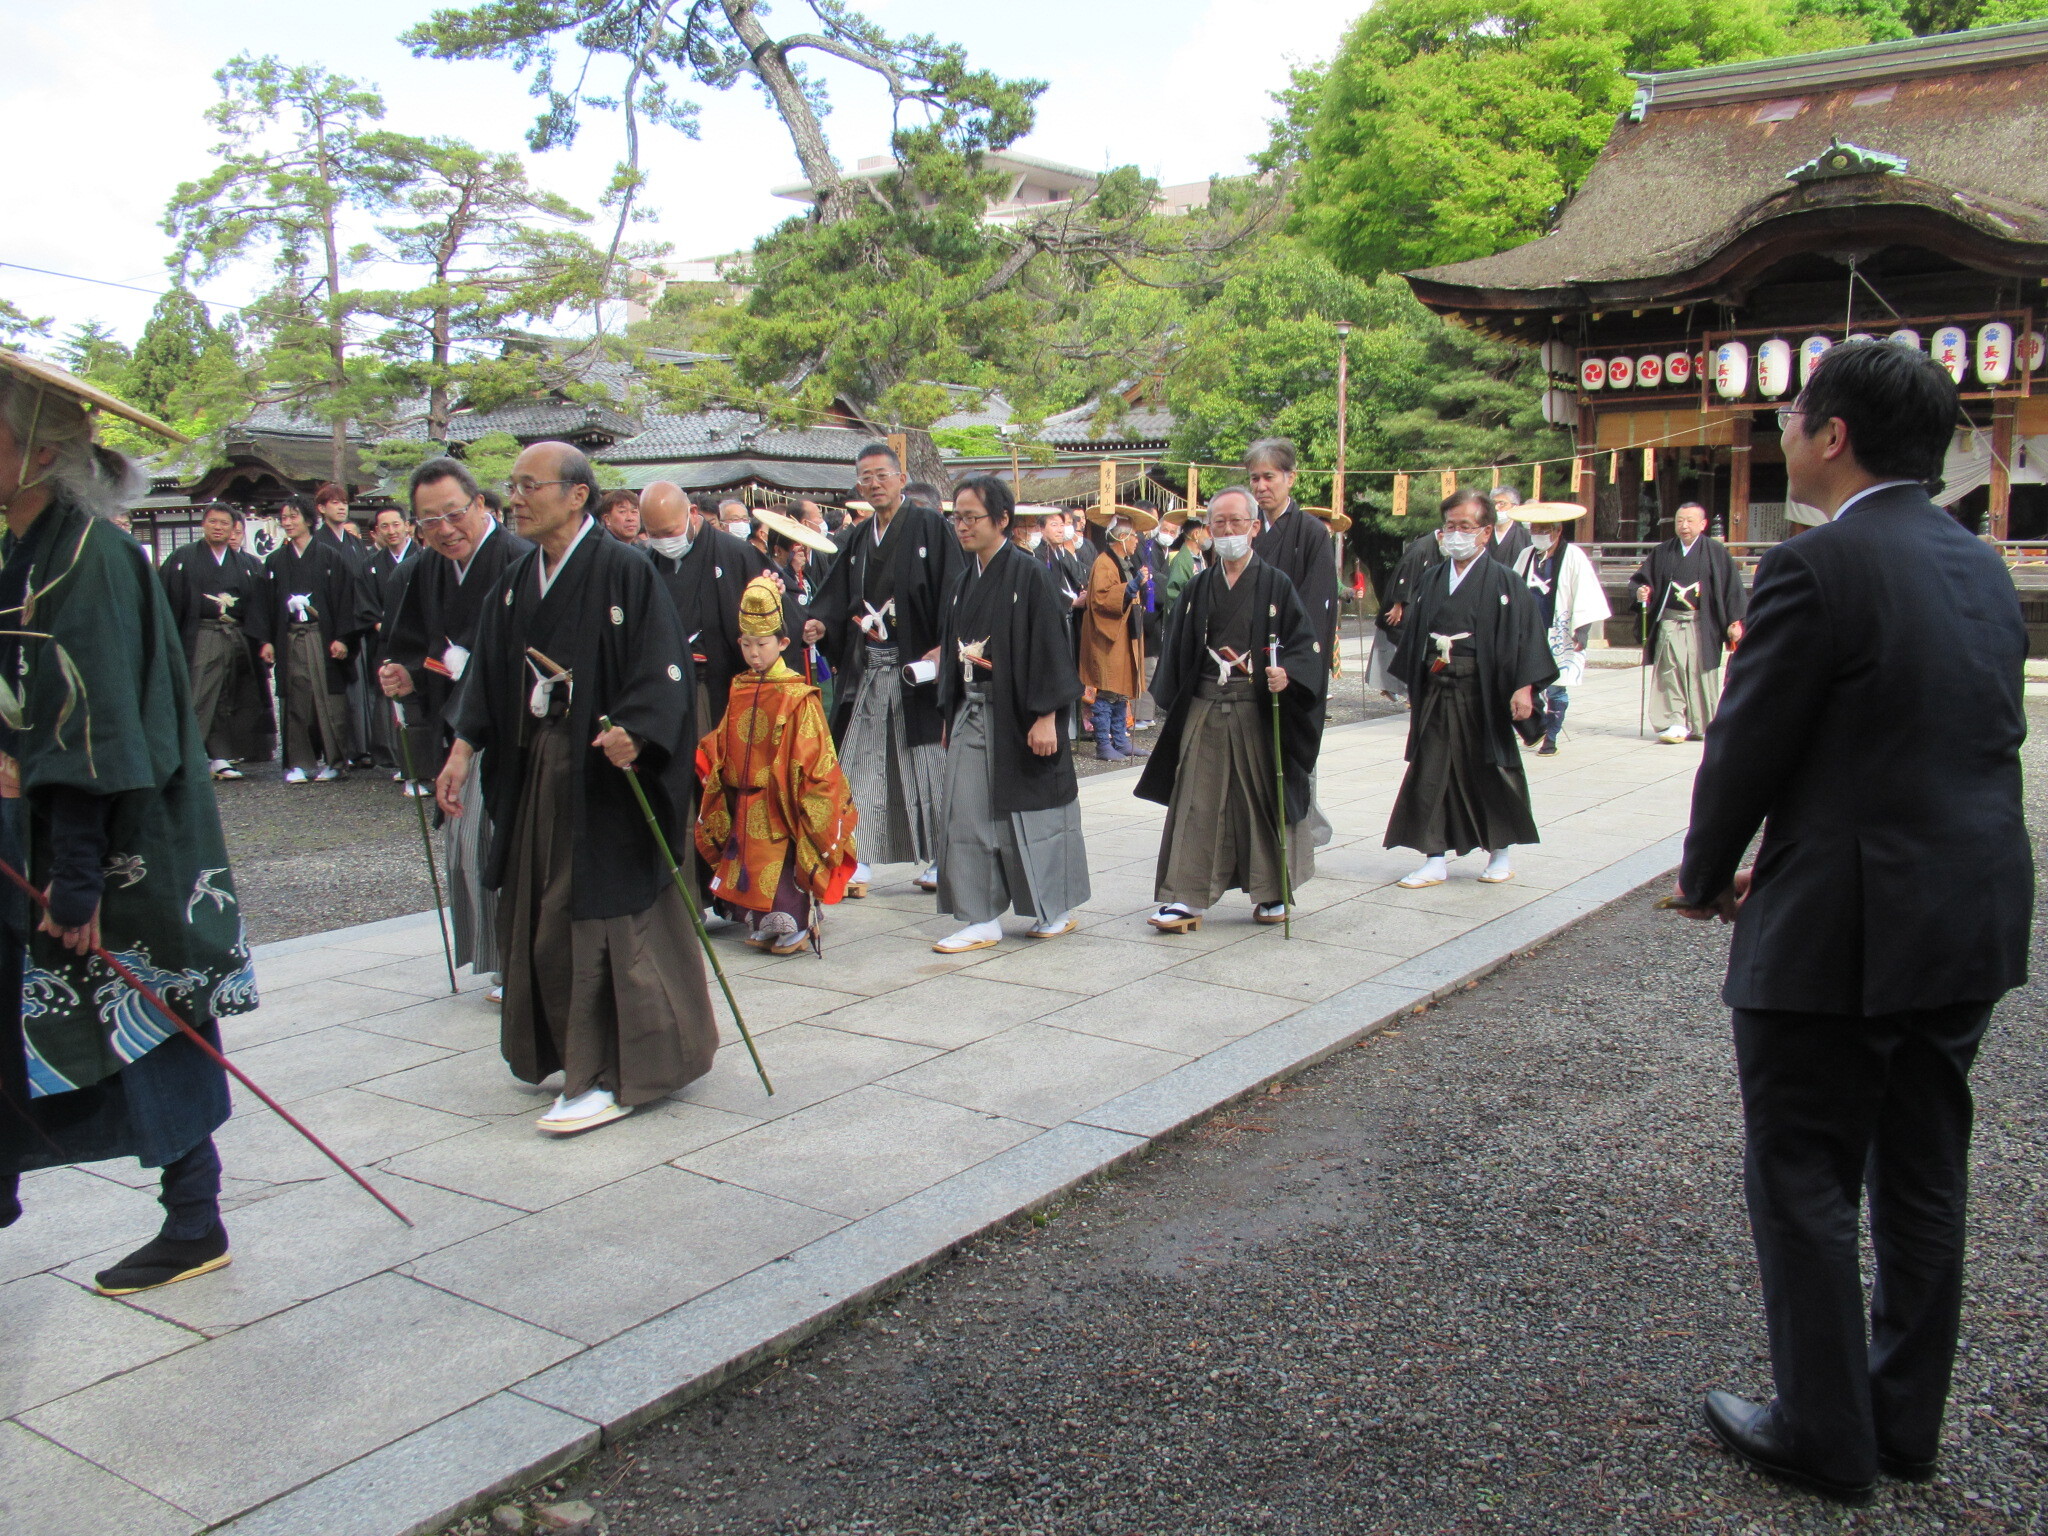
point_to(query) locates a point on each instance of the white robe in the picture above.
(1579, 602)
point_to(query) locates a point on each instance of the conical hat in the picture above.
(1339, 523)
(49, 376)
(791, 529)
(1140, 519)
(1547, 512)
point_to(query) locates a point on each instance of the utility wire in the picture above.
(155, 293)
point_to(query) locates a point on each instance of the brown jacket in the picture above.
(1112, 658)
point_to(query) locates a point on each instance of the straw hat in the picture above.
(1181, 516)
(1548, 512)
(860, 506)
(1338, 521)
(1033, 513)
(1140, 519)
(48, 376)
(790, 528)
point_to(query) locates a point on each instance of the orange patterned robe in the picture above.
(772, 754)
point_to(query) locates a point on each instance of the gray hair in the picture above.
(1251, 504)
(94, 478)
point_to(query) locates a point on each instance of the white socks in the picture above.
(860, 875)
(1051, 925)
(1500, 866)
(1433, 872)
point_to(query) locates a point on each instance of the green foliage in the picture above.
(177, 335)
(16, 326)
(91, 350)
(1450, 129)
(972, 442)
(688, 317)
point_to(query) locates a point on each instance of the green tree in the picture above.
(91, 350)
(16, 326)
(167, 355)
(1450, 129)
(493, 248)
(296, 152)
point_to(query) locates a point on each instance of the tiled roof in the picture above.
(993, 411)
(1140, 424)
(724, 433)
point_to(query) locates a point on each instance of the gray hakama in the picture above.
(1031, 861)
(314, 729)
(1220, 833)
(1690, 694)
(616, 1002)
(472, 909)
(899, 789)
(219, 656)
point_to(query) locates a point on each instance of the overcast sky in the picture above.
(116, 88)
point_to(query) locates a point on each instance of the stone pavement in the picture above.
(348, 1376)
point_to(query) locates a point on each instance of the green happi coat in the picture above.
(102, 697)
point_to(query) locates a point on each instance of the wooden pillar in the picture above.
(1738, 480)
(1586, 492)
(2001, 467)
(1628, 485)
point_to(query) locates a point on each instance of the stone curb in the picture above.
(522, 1434)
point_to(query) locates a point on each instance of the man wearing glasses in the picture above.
(429, 633)
(1693, 595)
(577, 678)
(878, 613)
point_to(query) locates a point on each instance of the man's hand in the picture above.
(618, 745)
(80, 941)
(1276, 679)
(1643, 596)
(448, 787)
(1726, 906)
(1042, 738)
(1080, 599)
(268, 653)
(1394, 614)
(814, 631)
(1735, 633)
(394, 680)
(337, 650)
(1523, 704)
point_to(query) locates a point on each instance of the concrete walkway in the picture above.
(348, 1376)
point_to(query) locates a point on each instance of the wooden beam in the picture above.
(1738, 480)
(2001, 467)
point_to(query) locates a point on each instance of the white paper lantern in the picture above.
(1994, 352)
(1593, 373)
(1678, 367)
(1556, 356)
(1811, 351)
(1905, 336)
(1649, 371)
(1774, 367)
(1621, 372)
(2031, 350)
(1561, 407)
(1950, 348)
(1859, 336)
(1731, 370)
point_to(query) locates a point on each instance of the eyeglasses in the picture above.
(966, 519)
(877, 476)
(1785, 414)
(528, 487)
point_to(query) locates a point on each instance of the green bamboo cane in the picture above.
(675, 873)
(1280, 812)
(426, 839)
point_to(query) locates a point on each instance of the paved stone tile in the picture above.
(423, 1481)
(474, 1083)
(307, 1241)
(274, 974)
(288, 1012)
(1462, 896)
(619, 1255)
(222, 1427)
(773, 1000)
(66, 1212)
(850, 920)
(1134, 927)
(874, 965)
(46, 1490)
(325, 1059)
(361, 1127)
(417, 936)
(945, 1012)
(1174, 1013)
(420, 975)
(1080, 962)
(1007, 1073)
(61, 1338)
(452, 1023)
(857, 1153)
(510, 1162)
(1305, 971)
(806, 1063)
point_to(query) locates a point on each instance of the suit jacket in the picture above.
(1872, 724)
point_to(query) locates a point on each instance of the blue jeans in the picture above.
(1555, 701)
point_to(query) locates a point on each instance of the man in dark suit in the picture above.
(1872, 725)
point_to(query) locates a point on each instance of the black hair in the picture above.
(402, 517)
(493, 502)
(573, 468)
(1899, 405)
(996, 497)
(441, 469)
(835, 519)
(879, 451)
(305, 506)
(612, 500)
(1273, 452)
(1469, 496)
(924, 493)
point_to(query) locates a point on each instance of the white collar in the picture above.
(1458, 576)
(462, 567)
(547, 577)
(1685, 548)
(222, 557)
(1869, 490)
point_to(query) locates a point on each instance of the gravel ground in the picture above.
(1472, 1276)
(311, 857)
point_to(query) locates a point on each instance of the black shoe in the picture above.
(165, 1261)
(1906, 1469)
(1751, 1432)
(1548, 749)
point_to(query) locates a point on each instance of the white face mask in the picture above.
(739, 530)
(1458, 543)
(1162, 534)
(1031, 538)
(1543, 542)
(1231, 547)
(674, 547)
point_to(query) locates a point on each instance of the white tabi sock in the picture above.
(1500, 864)
(861, 875)
(975, 933)
(1433, 872)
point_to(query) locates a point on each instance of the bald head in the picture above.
(665, 512)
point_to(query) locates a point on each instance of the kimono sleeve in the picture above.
(1050, 682)
(648, 676)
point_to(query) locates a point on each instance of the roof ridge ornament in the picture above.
(1840, 159)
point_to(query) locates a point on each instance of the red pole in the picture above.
(206, 1045)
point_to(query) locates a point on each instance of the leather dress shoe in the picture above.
(1908, 1469)
(1752, 1433)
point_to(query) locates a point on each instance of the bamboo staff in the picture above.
(1280, 808)
(426, 839)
